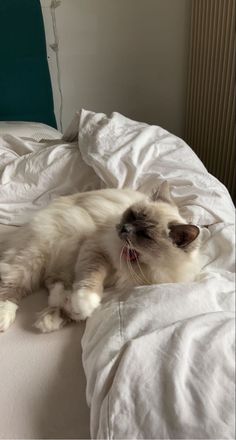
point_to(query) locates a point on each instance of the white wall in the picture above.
(129, 56)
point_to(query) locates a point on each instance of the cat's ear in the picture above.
(183, 235)
(162, 194)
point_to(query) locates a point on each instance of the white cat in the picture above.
(82, 243)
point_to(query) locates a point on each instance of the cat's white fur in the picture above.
(60, 239)
(7, 314)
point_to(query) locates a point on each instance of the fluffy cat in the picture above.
(82, 243)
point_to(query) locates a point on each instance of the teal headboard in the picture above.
(25, 85)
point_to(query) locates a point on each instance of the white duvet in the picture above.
(159, 360)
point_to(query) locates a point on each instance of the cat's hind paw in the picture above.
(7, 314)
(50, 320)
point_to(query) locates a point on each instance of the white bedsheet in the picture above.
(159, 361)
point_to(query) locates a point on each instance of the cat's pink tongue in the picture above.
(130, 254)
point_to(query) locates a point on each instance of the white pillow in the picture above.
(33, 130)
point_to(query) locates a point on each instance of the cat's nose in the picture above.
(125, 230)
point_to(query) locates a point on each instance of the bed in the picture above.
(154, 362)
(158, 360)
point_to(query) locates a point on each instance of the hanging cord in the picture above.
(55, 47)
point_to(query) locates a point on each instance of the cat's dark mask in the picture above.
(156, 224)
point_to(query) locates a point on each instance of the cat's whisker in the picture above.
(121, 253)
(132, 272)
(138, 278)
(129, 265)
(140, 269)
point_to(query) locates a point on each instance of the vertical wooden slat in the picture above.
(210, 123)
(199, 19)
(207, 64)
(200, 39)
(229, 101)
(205, 8)
(188, 126)
(223, 92)
(210, 149)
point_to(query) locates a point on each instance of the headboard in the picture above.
(25, 85)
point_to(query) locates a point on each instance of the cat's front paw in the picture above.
(7, 314)
(81, 304)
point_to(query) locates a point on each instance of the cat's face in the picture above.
(154, 228)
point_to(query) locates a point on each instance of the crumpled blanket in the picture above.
(33, 172)
(159, 360)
